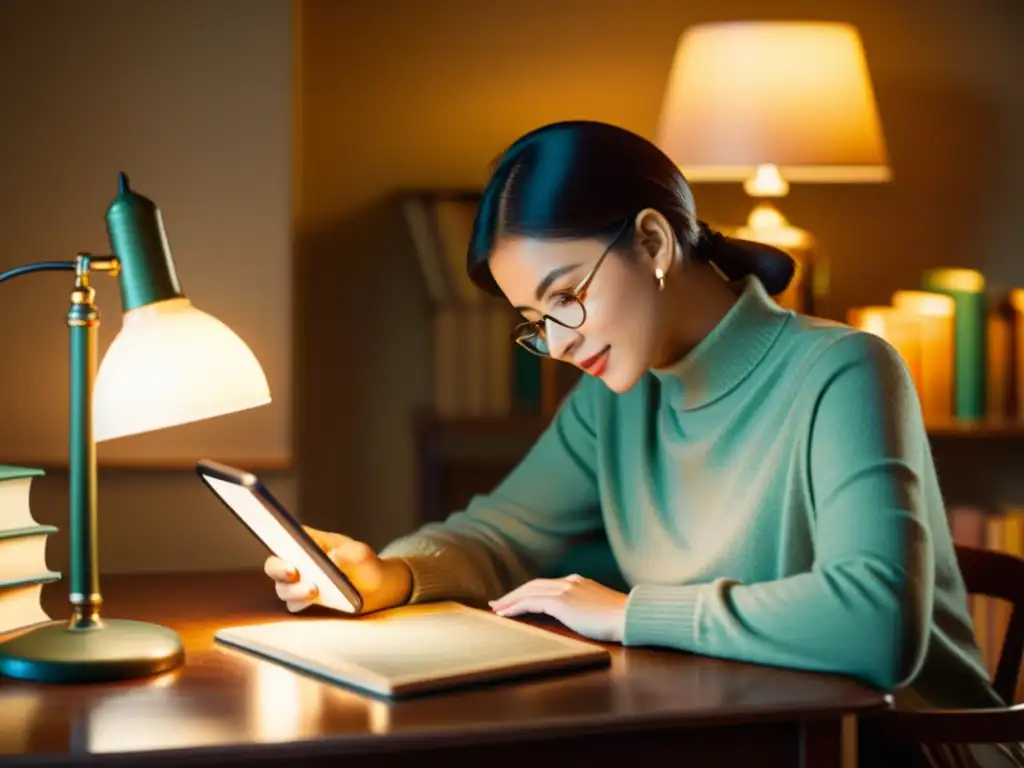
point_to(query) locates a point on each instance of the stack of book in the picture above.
(962, 341)
(1002, 531)
(23, 570)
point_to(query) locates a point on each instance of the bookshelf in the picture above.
(984, 429)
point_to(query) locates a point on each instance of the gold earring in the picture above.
(660, 275)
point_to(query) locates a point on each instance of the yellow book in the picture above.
(1013, 544)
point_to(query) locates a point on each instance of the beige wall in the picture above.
(426, 94)
(403, 93)
(193, 100)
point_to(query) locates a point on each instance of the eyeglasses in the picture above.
(568, 310)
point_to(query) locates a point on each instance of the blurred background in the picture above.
(281, 139)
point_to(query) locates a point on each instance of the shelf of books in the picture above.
(1001, 530)
(23, 571)
(962, 341)
(961, 338)
(478, 372)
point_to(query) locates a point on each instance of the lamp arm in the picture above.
(83, 265)
(40, 266)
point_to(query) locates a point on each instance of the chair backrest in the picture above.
(999, 575)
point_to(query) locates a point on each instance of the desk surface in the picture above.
(223, 699)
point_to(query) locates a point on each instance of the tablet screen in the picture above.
(279, 540)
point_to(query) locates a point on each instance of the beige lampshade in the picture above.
(796, 95)
(170, 364)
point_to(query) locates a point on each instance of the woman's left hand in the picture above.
(584, 606)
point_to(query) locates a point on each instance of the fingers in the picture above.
(347, 553)
(280, 571)
(296, 592)
(297, 597)
(548, 604)
(535, 588)
(294, 606)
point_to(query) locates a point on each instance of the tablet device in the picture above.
(251, 502)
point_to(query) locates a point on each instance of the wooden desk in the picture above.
(225, 707)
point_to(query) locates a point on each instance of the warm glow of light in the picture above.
(1017, 300)
(286, 705)
(766, 224)
(172, 364)
(380, 717)
(935, 313)
(902, 330)
(797, 95)
(870, 319)
(955, 279)
(924, 303)
(153, 718)
(766, 182)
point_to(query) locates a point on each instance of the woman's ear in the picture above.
(656, 240)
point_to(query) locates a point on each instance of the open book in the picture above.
(414, 649)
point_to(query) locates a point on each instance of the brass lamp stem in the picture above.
(83, 321)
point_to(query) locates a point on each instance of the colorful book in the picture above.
(968, 525)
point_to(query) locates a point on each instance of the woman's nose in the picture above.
(561, 341)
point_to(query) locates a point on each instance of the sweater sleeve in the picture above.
(520, 529)
(863, 609)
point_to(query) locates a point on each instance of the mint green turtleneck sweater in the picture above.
(771, 498)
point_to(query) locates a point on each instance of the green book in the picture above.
(970, 358)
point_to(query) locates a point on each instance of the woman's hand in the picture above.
(382, 583)
(584, 606)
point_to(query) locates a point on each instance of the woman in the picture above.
(763, 478)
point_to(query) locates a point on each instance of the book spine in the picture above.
(970, 334)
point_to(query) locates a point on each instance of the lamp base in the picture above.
(117, 649)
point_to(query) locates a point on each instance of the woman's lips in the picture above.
(595, 365)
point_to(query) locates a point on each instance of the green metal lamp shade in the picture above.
(136, 231)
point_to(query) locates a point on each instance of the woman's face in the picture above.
(622, 332)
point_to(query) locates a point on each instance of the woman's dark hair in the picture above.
(579, 179)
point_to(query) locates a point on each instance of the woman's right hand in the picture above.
(383, 583)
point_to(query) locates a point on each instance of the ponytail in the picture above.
(739, 258)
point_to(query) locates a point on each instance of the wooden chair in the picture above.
(993, 574)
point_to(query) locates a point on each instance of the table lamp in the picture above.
(767, 103)
(170, 364)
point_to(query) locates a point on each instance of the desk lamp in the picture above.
(767, 103)
(170, 364)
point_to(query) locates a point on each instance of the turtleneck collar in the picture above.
(727, 355)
